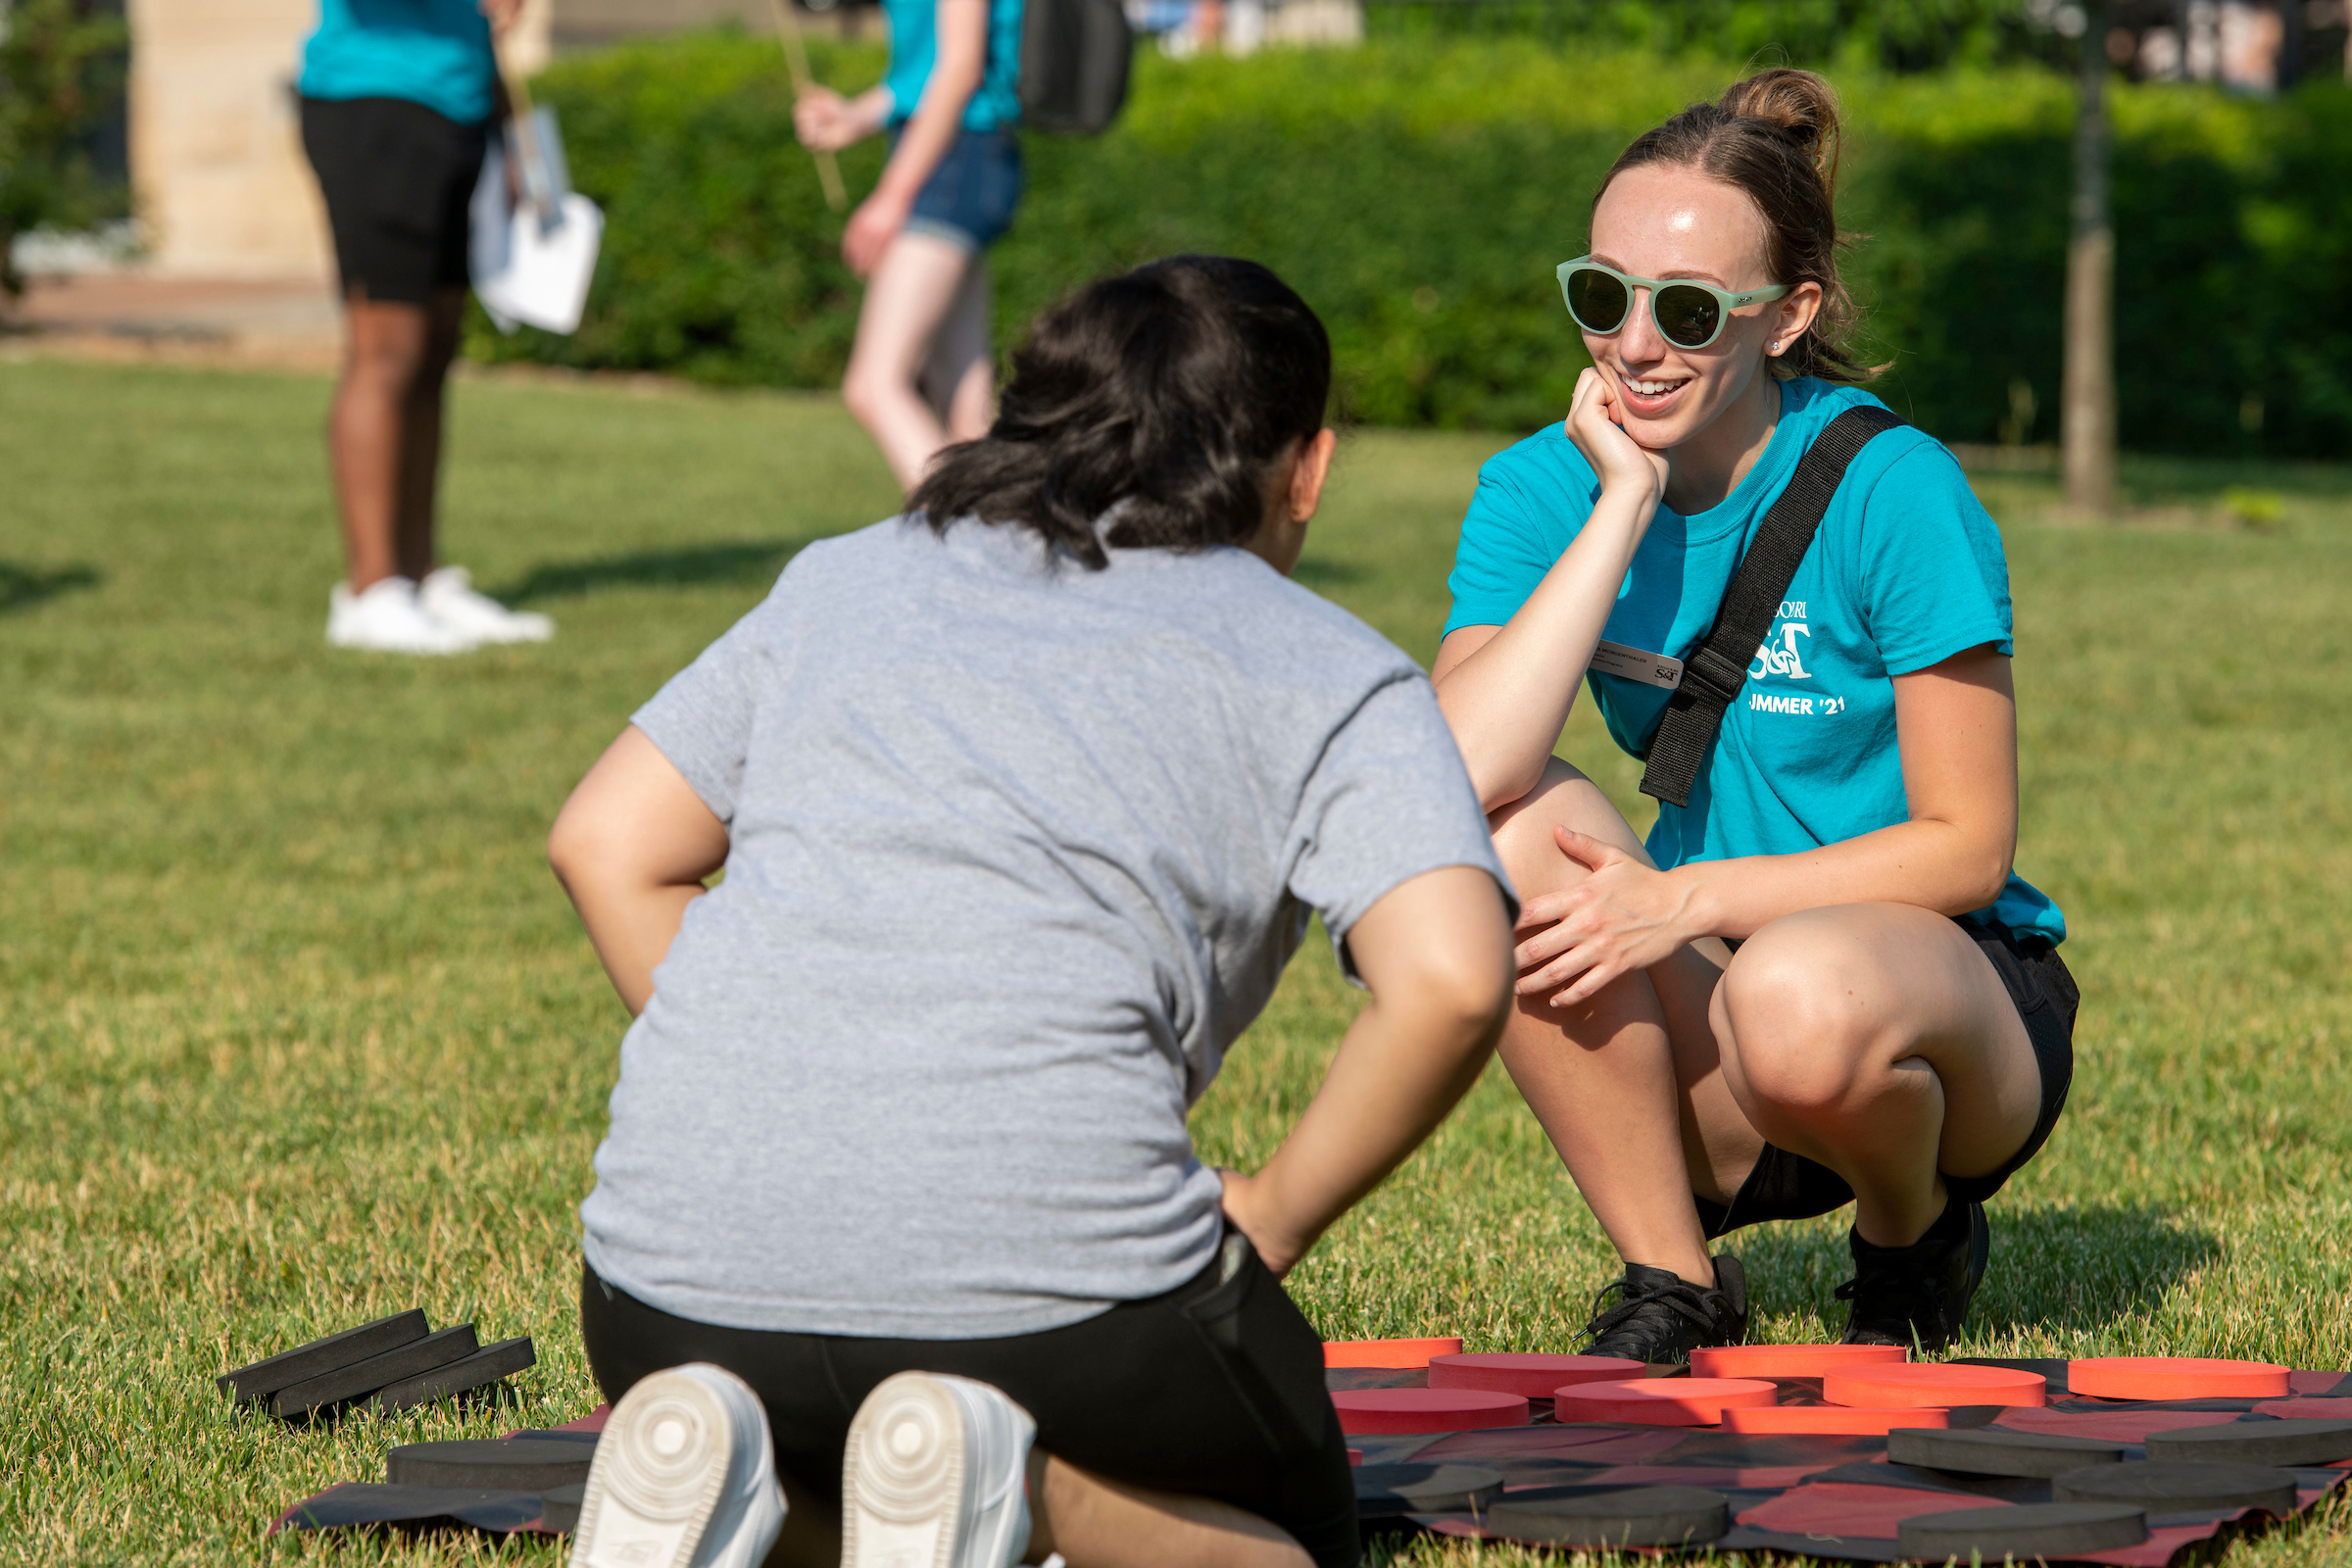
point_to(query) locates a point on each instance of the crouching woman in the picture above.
(1025, 800)
(1895, 1027)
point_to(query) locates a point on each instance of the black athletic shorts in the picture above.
(396, 178)
(1786, 1186)
(1214, 1390)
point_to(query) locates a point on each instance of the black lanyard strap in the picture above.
(1716, 669)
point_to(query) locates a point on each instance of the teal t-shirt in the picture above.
(430, 52)
(914, 48)
(1906, 572)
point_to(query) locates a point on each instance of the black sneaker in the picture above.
(1918, 1296)
(1663, 1317)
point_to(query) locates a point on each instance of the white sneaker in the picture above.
(450, 598)
(388, 619)
(935, 1476)
(684, 1477)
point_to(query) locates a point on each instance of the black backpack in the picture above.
(1074, 58)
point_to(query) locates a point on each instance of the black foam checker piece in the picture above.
(363, 1378)
(561, 1507)
(1393, 1489)
(485, 1366)
(370, 1502)
(2284, 1443)
(2025, 1531)
(489, 1464)
(306, 1361)
(1639, 1516)
(1989, 1452)
(2171, 1485)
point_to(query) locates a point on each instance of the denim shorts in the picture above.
(970, 197)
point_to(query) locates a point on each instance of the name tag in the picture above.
(1653, 669)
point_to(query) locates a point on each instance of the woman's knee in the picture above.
(1522, 830)
(1796, 1018)
(866, 389)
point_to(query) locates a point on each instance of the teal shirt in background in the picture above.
(431, 52)
(914, 49)
(1906, 572)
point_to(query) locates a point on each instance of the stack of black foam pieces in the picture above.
(394, 1363)
(529, 1481)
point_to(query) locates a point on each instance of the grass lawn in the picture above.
(296, 1030)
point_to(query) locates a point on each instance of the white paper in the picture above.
(532, 261)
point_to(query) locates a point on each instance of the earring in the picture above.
(1776, 345)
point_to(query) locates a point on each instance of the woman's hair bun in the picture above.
(1775, 137)
(1799, 104)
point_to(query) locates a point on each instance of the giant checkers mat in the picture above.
(1829, 1452)
(1841, 1452)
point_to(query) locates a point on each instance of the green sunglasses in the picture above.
(1688, 315)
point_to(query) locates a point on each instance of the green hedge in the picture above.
(1419, 196)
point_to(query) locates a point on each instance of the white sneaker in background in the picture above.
(684, 1477)
(935, 1476)
(450, 598)
(388, 619)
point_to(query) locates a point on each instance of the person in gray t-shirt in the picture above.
(1022, 820)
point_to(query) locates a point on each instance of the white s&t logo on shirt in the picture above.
(1781, 661)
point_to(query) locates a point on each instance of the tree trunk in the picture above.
(2086, 412)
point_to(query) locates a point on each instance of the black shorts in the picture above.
(396, 178)
(1214, 1390)
(1786, 1186)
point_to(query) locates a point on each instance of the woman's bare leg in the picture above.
(387, 345)
(960, 380)
(1091, 1522)
(908, 300)
(1626, 1085)
(1095, 1523)
(1873, 1038)
(420, 434)
(1877, 1039)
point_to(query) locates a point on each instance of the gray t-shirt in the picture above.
(1018, 849)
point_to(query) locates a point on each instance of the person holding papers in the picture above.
(397, 101)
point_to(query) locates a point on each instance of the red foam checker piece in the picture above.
(1788, 1360)
(1373, 1410)
(1834, 1419)
(2174, 1377)
(1662, 1401)
(1933, 1384)
(1534, 1376)
(1389, 1353)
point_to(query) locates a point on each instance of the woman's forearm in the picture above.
(1507, 700)
(1437, 959)
(631, 927)
(1945, 866)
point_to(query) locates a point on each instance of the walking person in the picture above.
(397, 103)
(1821, 982)
(921, 369)
(1023, 801)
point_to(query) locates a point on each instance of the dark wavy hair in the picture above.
(1172, 392)
(1776, 136)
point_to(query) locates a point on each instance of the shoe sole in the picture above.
(660, 1467)
(902, 1475)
